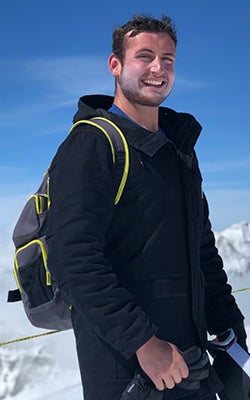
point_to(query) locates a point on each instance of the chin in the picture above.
(153, 101)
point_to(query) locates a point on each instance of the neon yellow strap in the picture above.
(86, 121)
(126, 150)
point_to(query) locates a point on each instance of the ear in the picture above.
(114, 65)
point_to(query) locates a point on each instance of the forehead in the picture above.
(160, 42)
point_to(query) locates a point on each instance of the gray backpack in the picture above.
(43, 302)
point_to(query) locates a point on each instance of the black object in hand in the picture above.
(197, 363)
(142, 388)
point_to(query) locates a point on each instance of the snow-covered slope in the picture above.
(39, 368)
(46, 367)
(234, 247)
(34, 374)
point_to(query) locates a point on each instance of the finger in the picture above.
(168, 382)
(183, 369)
(177, 376)
(159, 384)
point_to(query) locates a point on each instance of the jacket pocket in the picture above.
(173, 286)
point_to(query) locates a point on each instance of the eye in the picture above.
(145, 58)
(168, 60)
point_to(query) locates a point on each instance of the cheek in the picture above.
(130, 73)
(134, 69)
(171, 73)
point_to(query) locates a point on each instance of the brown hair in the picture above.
(138, 24)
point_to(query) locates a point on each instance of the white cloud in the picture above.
(10, 206)
(70, 75)
(7, 169)
(51, 83)
(190, 84)
(222, 166)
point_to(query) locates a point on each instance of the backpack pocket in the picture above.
(43, 302)
(32, 274)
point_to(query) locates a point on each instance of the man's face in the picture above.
(147, 74)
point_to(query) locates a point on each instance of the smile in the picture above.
(154, 83)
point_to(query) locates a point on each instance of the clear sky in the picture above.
(52, 52)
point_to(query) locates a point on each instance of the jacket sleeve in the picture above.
(221, 309)
(82, 193)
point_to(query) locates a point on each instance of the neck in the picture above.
(145, 116)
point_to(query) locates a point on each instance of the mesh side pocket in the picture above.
(32, 274)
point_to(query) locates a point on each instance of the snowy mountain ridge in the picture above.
(233, 244)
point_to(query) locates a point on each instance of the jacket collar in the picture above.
(181, 128)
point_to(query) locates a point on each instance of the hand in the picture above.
(162, 362)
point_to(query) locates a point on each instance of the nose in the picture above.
(157, 66)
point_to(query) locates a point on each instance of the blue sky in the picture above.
(53, 52)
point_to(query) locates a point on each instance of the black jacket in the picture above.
(148, 265)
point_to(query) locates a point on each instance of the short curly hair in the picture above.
(138, 24)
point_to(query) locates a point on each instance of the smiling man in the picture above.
(144, 76)
(144, 277)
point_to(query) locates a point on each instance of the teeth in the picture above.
(155, 83)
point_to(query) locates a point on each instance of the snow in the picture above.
(46, 367)
(234, 246)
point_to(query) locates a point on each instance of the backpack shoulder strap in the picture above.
(118, 145)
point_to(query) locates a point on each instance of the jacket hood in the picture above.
(181, 128)
(93, 105)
